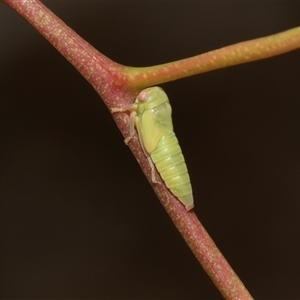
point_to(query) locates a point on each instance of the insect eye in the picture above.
(142, 97)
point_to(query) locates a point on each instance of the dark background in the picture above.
(78, 218)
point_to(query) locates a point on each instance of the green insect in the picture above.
(151, 116)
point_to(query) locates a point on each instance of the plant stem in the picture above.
(118, 85)
(239, 53)
(207, 253)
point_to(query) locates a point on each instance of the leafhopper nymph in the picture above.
(151, 115)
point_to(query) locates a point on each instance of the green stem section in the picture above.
(239, 53)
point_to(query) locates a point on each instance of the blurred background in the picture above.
(78, 218)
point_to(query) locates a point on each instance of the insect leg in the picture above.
(152, 167)
(130, 107)
(133, 118)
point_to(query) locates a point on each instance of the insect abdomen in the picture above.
(169, 161)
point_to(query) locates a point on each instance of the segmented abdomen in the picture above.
(169, 161)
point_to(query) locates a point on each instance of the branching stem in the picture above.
(118, 85)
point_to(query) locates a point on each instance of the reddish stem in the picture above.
(118, 85)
